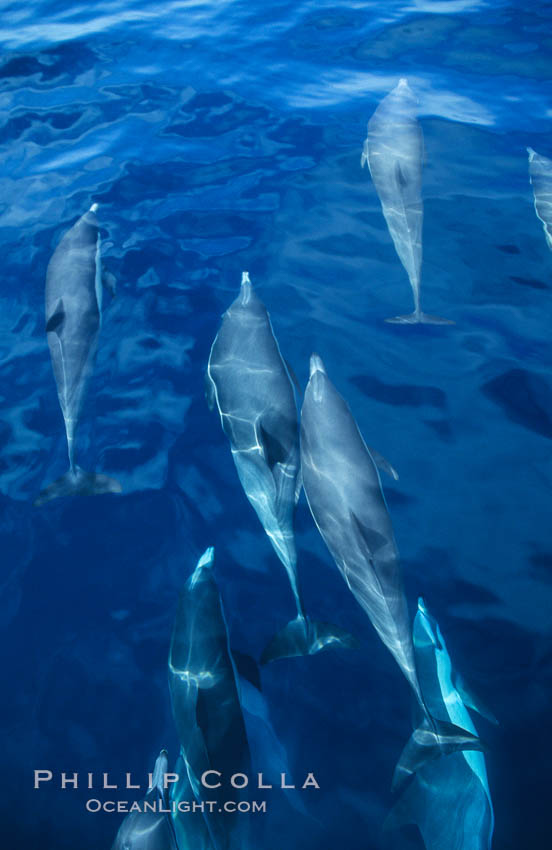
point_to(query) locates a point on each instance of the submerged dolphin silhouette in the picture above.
(394, 151)
(74, 283)
(343, 489)
(206, 700)
(150, 830)
(449, 799)
(250, 384)
(540, 175)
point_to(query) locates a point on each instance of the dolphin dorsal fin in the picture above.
(246, 288)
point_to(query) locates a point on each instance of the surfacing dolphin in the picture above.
(250, 383)
(394, 151)
(74, 282)
(449, 799)
(540, 175)
(206, 700)
(145, 829)
(343, 489)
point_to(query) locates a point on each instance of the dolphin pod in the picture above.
(344, 494)
(249, 382)
(540, 175)
(448, 799)
(74, 284)
(205, 699)
(394, 151)
(147, 829)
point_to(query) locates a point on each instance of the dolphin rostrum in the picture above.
(449, 799)
(151, 828)
(205, 700)
(74, 283)
(250, 383)
(394, 152)
(540, 175)
(343, 489)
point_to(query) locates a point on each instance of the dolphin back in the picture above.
(344, 493)
(394, 152)
(249, 382)
(73, 312)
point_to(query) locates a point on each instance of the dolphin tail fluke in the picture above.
(431, 740)
(78, 482)
(419, 319)
(306, 637)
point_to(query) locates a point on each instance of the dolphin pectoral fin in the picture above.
(298, 485)
(110, 283)
(419, 319)
(431, 740)
(364, 155)
(56, 319)
(293, 376)
(383, 464)
(306, 637)
(78, 482)
(210, 395)
(471, 701)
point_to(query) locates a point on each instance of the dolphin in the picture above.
(344, 493)
(250, 384)
(205, 699)
(449, 799)
(150, 830)
(74, 283)
(540, 176)
(394, 152)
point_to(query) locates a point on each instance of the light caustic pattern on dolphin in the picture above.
(540, 175)
(146, 829)
(449, 799)
(250, 384)
(74, 282)
(206, 701)
(394, 152)
(343, 489)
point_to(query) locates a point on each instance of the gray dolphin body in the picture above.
(394, 153)
(250, 384)
(73, 317)
(344, 493)
(206, 700)
(540, 175)
(150, 830)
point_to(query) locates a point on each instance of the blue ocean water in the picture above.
(218, 137)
